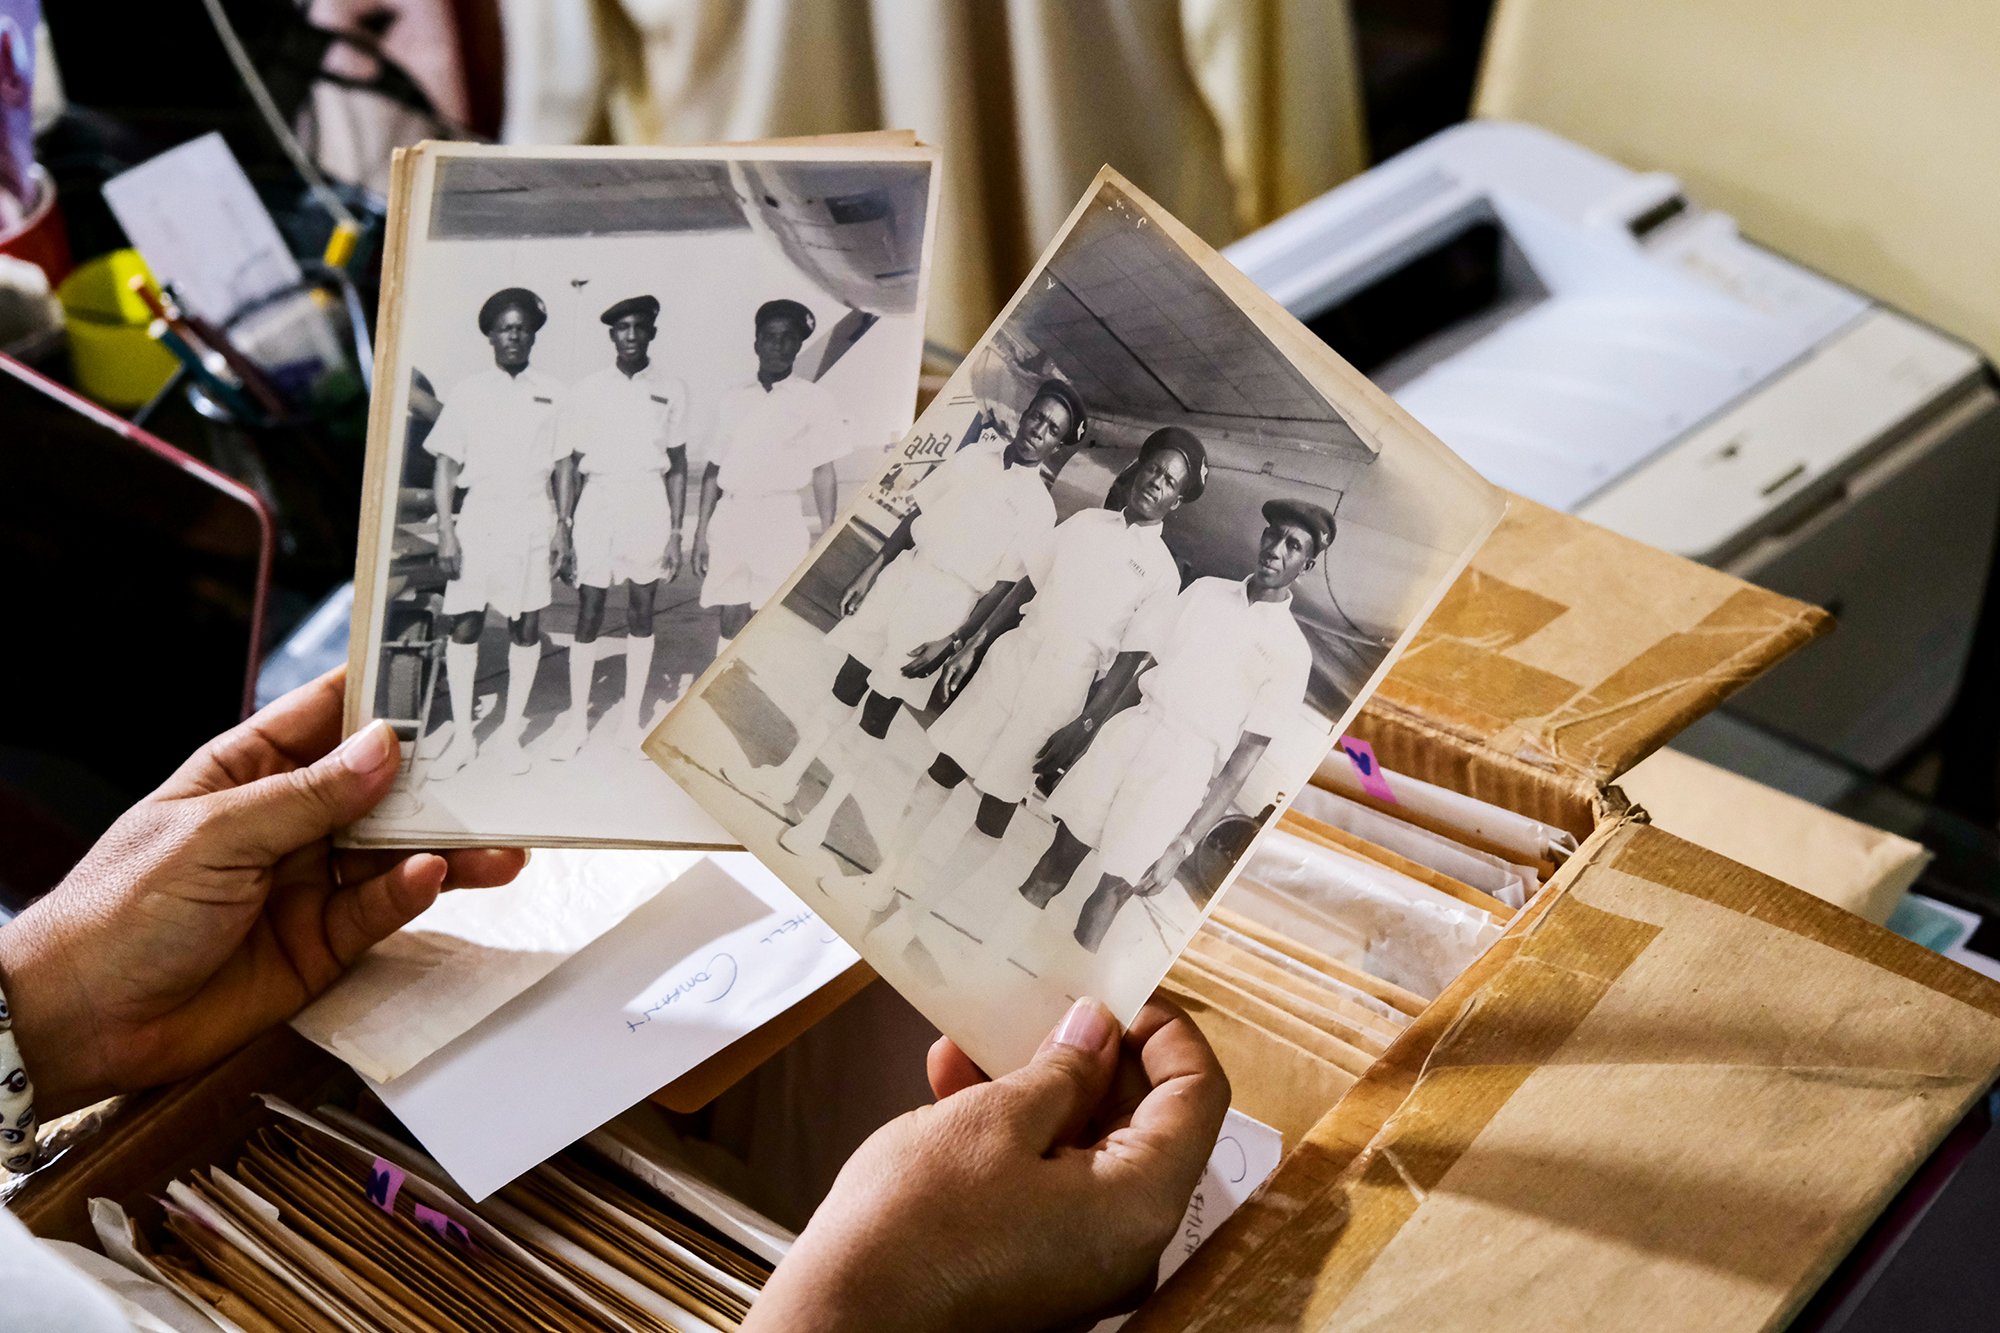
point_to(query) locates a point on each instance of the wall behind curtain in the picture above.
(1229, 112)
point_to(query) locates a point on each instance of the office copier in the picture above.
(1590, 337)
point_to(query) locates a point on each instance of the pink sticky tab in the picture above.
(384, 1180)
(435, 1222)
(1366, 766)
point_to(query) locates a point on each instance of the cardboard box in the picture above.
(1677, 1090)
(1672, 1095)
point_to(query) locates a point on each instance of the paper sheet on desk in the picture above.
(474, 950)
(192, 214)
(714, 955)
(1246, 1153)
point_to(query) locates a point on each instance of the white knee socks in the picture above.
(638, 671)
(582, 658)
(461, 669)
(522, 661)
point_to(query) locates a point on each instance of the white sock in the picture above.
(928, 872)
(582, 657)
(923, 807)
(638, 672)
(522, 661)
(813, 737)
(461, 668)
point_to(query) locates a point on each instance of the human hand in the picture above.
(563, 550)
(1161, 873)
(1029, 1201)
(670, 563)
(959, 667)
(450, 559)
(928, 657)
(857, 591)
(216, 907)
(1061, 750)
(699, 557)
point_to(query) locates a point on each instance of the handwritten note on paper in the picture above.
(714, 955)
(1246, 1153)
(192, 214)
(470, 953)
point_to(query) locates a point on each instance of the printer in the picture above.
(1592, 338)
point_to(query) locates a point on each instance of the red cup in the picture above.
(39, 238)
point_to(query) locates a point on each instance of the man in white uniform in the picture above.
(1095, 574)
(623, 431)
(497, 438)
(977, 514)
(775, 436)
(1232, 674)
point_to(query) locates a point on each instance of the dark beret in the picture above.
(649, 306)
(1065, 393)
(783, 309)
(1299, 514)
(1187, 446)
(513, 298)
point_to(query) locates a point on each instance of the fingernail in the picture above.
(1085, 1026)
(367, 749)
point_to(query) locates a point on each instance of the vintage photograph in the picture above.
(632, 388)
(1101, 614)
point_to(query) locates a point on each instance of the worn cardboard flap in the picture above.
(1569, 650)
(1640, 1117)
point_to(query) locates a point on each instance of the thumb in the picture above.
(1053, 1096)
(275, 816)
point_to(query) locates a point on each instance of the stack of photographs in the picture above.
(1351, 916)
(1015, 724)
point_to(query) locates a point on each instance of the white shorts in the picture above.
(912, 603)
(1134, 790)
(1024, 691)
(754, 545)
(502, 565)
(622, 527)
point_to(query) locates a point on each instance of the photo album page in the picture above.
(1015, 722)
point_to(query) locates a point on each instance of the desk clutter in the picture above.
(1162, 650)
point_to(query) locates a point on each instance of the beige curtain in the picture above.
(1229, 112)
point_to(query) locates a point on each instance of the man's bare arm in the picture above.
(826, 495)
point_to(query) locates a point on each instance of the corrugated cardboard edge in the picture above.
(1292, 1254)
(1572, 651)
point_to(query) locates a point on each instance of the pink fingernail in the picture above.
(1085, 1026)
(367, 749)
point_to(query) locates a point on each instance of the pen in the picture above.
(225, 395)
(184, 325)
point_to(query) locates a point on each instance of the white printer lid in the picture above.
(1624, 315)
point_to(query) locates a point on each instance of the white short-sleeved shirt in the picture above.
(976, 516)
(1227, 664)
(768, 441)
(501, 431)
(623, 425)
(1093, 573)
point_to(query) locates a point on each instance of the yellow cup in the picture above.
(111, 357)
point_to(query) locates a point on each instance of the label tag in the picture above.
(384, 1180)
(441, 1226)
(1368, 768)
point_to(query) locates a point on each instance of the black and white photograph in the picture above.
(1101, 614)
(631, 387)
